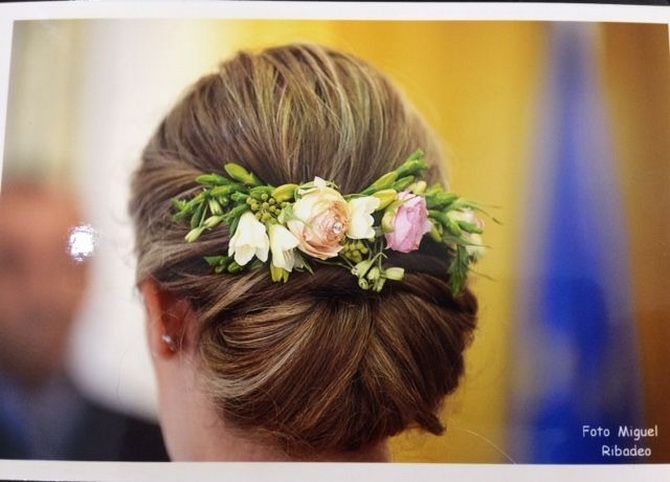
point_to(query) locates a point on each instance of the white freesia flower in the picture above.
(250, 239)
(361, 220)
(282, 243)
(476, 249)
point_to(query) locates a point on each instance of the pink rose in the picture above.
(410, 223)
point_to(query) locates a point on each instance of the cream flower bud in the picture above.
(394, 273)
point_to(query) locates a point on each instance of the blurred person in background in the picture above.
(43, 276)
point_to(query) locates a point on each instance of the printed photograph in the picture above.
(336, 241)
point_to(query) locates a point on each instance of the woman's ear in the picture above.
(168, 319)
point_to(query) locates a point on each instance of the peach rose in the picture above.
(320, 221)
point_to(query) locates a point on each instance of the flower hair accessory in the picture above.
(295, 226)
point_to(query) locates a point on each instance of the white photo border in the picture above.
(484, 11)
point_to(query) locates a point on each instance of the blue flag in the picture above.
(581, 364)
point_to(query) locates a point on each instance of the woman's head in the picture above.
(316, 365)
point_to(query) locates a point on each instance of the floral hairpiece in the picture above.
(314, 223)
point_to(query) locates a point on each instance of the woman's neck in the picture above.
(231, 448)
(195, 432)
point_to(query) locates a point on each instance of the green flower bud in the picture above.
(240, 174)
(386, 197)
(440, 200)
(394, 273)
(178, 204)
(285, 192)
(260, 193)
(234, 213)
(216, 260)
(223, 190)
(436, 232)
(418, 187)
(452, 226)
(215, 207)
(363, 284)
(374, 274)
(412, 166)
(361, 268)
(212, 222)
(239, 197)
(234, 268)
(194, 234)
(418, 154)
(434, 189)
(403, 183)
(384, 182)
(379, 284)
(211, 180)
(388, 219)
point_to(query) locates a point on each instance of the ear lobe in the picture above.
(167, 319)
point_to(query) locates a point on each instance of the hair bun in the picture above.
(314, 365)
(324, 367)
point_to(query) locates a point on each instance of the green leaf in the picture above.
(458, 270)
(195, 219)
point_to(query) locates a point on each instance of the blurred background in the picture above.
(565, 127)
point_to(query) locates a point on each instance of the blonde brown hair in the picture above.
(315, 365)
